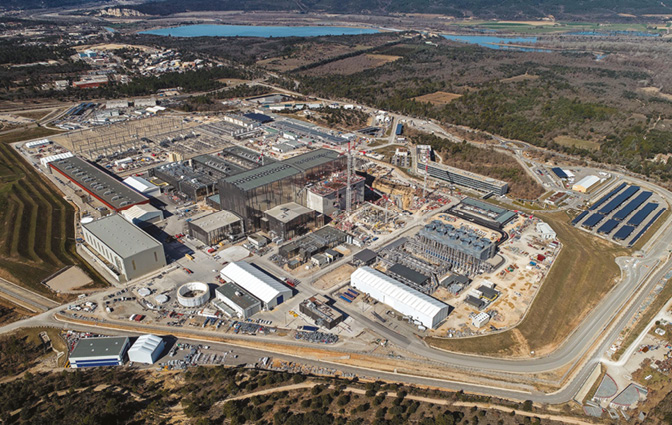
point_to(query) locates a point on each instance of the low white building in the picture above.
(422, 308)
(143, 186)
(262, 286)
(146, 349)
(142, 214)
(585, 184)
(545, 231)
(480, 320)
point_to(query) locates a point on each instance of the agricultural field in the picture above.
(571, 279)
(581, 144)
(353, 64)
(439, 98)
(37, 232)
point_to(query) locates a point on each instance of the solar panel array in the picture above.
(608, 196)
(617, 201)
(645, 228)
(624, 212)
(608, 227)
(641, 215)
(623, 233)
(593, 220)
(559, 172)
(579, 217)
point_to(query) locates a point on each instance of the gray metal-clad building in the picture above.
(313, 243)
(215, 166)
(409, 276)
(238, 299)
(106, 351)
(252, 192)
(214, 228)
(465, 178)
(483, 213)
(288, 220)
(113, 193)
(186, 181)
(461, 247)
(128, 251)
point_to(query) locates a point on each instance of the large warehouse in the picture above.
(91, 352)
(114, 194)
(429, 311)
(239, 300)
(216, 227)
(252, 192)
(128, 251)
(256, 282)
(146, 349)
(465, 178)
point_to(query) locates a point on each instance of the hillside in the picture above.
(514, 9)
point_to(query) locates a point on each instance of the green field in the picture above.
(37, 233)
(582, 274)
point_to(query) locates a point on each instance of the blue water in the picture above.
(614, 33)
(255, 31)
(109, 29)
(493, 42)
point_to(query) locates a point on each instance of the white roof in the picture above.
(47, 159)
(145, 344)
(139, 184)
(568, 173)
(401, 293)
(141, 212)
(254, 281)
(545, 228)
(587, 181)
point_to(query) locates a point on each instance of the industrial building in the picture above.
(257, 282)
(481, 319)
(193, 294)
(313, 243)
(216, 227)
(422, 308)
(143, 215)
(242, 303)
(455, 283)
(365, 257)
(482, 213)
(318, 309)
(298, 130)
(252, 192)
(412, 278)
(146, 349)
(464, 178)
(114, 194)
(288, 220)
(585, 184)
(461, 248)
(127, 251)
(185, 181)
(545, 231)
(143, 186)
(329, 196)
(104, 351)
(216, 166)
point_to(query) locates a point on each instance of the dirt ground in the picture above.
(353, 65)
(332, 278)
(517, 78)
(438, 98)
(69, 281)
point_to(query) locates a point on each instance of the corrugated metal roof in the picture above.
(587, 181)
(401, 293)
(140, 184)
(254, 281)
(145, 344)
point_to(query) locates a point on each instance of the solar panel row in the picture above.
(608, 196)
(623, 233)
(559, 172)
(645, 228)
(641, 215)
(624, 212)
(579, 217)
(617, 201)
(593, 220)
(608, 227)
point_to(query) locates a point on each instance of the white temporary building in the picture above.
(146, 349)
(546, 231)
(256, 282)
(404, 299)
(143, 186)
(585, 183)
(142, 214)
(47, 159)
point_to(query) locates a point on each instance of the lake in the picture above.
(255, 31)
(499, 43)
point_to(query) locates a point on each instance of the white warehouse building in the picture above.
(546, 231)
(404, 299)
(262, 286)
(143, 186)
(147, 349)
(129, 252)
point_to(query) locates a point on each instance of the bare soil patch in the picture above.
(438, 98)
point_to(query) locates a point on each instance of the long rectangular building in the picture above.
(128, 251)
(106, 351)
(113, 193)
(259, 284)
(429, 311)
(464, 178)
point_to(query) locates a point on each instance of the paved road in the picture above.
(27, 299)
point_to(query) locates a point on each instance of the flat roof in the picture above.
(101, 185)
(408, 273)
(366, 255)
(120, 236)
(238, 295)
(469, 174)
(215, 162)
(276, 171)
(100, 347)
(288, 212)
(216, 220)
(499, 214)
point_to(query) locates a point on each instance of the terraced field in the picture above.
(37, 231)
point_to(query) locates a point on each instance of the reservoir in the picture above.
(256, 31)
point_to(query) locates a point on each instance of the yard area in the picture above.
(570, 291)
